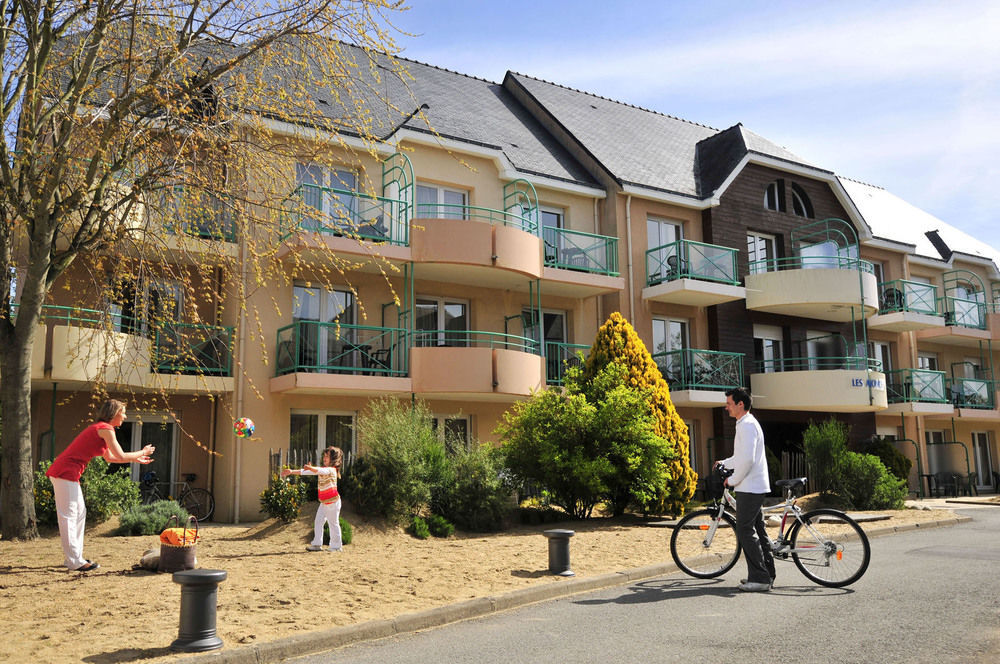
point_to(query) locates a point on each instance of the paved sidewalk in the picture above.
(322, 641)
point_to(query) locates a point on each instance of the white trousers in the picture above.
(72, 516)
(328, 513)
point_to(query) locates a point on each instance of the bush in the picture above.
(419, 528)
(404, 459)
(825, 444)
(472, 495)
(346, 532)
(866, 484)
(105, 493)
(283, 500)
(150, 519)
(891, 457)
(439, 526)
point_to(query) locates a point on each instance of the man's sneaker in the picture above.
(742, 581)
(313, 547)
(749, 587)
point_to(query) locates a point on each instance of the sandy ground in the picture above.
(276, 589)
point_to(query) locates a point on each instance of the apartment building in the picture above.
(484, 242)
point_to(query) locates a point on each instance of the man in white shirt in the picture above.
(750, 486)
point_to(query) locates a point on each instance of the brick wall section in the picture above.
(731, 324)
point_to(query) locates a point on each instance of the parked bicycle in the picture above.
(826, 545)
(199, 503)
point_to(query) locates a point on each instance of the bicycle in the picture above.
(199, 503)
(826, 545)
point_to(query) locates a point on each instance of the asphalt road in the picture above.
(929, 596)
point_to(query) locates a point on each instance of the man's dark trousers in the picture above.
(747, 513)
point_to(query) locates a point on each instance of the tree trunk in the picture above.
(17, 495)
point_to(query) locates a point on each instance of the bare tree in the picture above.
(118, 112)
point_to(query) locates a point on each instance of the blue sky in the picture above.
(903, 95)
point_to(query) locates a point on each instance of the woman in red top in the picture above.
(96, 440)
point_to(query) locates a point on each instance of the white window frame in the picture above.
(135, 443)
(442, 303)
(440, 424)
(769, 245)
(335, 208)
(927, 361)
(775, 337)
(321, 416)
(441, 194)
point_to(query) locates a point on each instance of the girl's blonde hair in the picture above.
(109, 409)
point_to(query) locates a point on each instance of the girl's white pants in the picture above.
(328, 513)
(71, 513)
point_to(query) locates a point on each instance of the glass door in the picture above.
(983, 460)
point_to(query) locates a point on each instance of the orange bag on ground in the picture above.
(179, 536)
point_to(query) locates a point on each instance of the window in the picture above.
(441, 322)
(154, 429)
(324, 327)
(660, 232)
(441, 203)
(455, 430)
(552, 219)
(774, 196)
(937, 456)
(801, 205)
(312, 432)
(146, 309)
(768, 348)
(553, 336)
(823, 350)
(330, 192)
(927, 361)
(879, 268)
(665, 263)
(881, 351)
(761, 254)
(670, 337)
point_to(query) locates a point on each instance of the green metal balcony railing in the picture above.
(199, 214)
(904, 295)
(971, 393)
(584, 252)
(193, 349)
(818, 363)
(962, 312)
(334, 211)
(689, 259)
(558, 357)
(474, 339)
(812, 263)
(915, 385)
(516, 218)
(315, 347)
(694, 369)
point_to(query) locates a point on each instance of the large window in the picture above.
(312, 432)
(927, 361)
(321, 316)
(774, 196)
(768, 347)
(441, 322)
(761, 252)
(455, 431)
(151, 307)
(882, 352)
(553, 336)
(159, 431)
(441, 202)
(328, 191)
(552, 219)
(659, 234)
(669, 337)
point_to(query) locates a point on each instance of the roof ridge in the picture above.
(444, 69)
(867, 184)
(615, 101)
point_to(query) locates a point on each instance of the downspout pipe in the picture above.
(628, 259)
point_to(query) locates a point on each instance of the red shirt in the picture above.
(70, 464)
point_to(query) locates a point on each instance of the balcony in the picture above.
(972, 393)
(964, 323)
(833, 384)
(819, 287)
(313, 357)
(84, 346)
(578, 264)
(700, 377)
(692, 273)
(201, 226)
(475, 365)
(917, 392)
(558, 357)
(906, 306)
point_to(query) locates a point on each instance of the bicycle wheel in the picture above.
(701, 550)
(830, 548)
(199, 503)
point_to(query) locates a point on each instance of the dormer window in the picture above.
(801, 205)
(774, 196)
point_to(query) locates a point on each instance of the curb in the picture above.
(312, 643)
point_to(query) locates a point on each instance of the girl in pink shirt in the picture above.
(329, 497)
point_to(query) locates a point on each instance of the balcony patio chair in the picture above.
(892, 299)
(946, 484)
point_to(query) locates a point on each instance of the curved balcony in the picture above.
(906, 306)
(84, 346)
(474, 365)
(692, 273)
(700, 377)
(832, 384)
(917, 392)
(820, 287)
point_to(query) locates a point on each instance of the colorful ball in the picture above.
(243, 427)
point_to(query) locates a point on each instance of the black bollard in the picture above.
(559, 551)
(198, 603)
